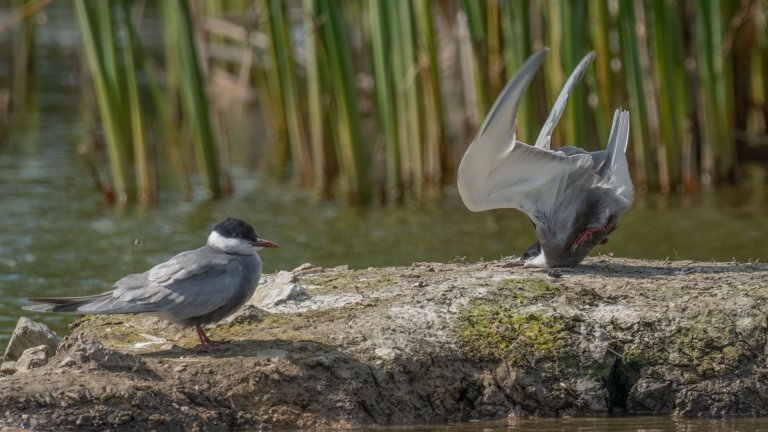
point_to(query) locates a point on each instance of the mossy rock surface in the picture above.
(428, 343)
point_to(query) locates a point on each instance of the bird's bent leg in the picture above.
(206, 342)
(585, 235)
(204, 337)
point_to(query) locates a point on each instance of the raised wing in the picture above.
(499, 172)
(545, 135)
(614, 170)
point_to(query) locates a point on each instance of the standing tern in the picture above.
(193, 288)
(573, 198)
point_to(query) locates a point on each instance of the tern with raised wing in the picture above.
(574, 198)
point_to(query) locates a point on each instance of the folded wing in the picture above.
(180, 288)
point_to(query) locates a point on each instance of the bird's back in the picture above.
(194, 287)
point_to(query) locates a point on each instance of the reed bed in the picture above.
(394, 122)
(376, 100)
(115, 57)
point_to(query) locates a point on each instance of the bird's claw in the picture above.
(205, 341)
(585, 235)
(216, 342)
(209, 348)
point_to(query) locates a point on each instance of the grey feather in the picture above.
(545, 135)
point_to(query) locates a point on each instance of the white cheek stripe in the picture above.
(220, 242)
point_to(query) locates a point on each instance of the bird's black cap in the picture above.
(235, 228)
(532, 251)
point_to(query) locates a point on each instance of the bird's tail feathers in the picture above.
(62, 304)
(615, 158)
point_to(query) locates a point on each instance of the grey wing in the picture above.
(499, 172)
(495, 139)
(614, 171)
(497, 133)
(190, 284)
(529, 179)
(545, 135)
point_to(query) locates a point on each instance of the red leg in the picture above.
(206, 344)
(585, 235)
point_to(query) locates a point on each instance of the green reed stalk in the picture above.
(23, 65)
(715, 105)
(194, 101)
(316, 63)
(283, 51)
(651, 96)
(644, 168)
(164, 102)
(409, 121)
(476, 14)
(667, 51)
(554, 77)
(96, 24)
(515, 26)
(353, 158)
(493, 47)
(599, 30)
(432, 105)
(382, 20)
(576, 117)
(269, 81)
(141, 158)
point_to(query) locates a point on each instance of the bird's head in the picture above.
(237, 237)
(532, 257)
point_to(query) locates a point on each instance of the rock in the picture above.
(7, 367)
(29, 334)
(67, 362)
(307, 269)
(32, 358)
(281, 288)
(478, 342)
(651, 396)
(86, 351)
(385, 353)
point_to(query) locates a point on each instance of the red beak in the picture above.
(264, 243)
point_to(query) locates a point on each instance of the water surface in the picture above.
(598, 424)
